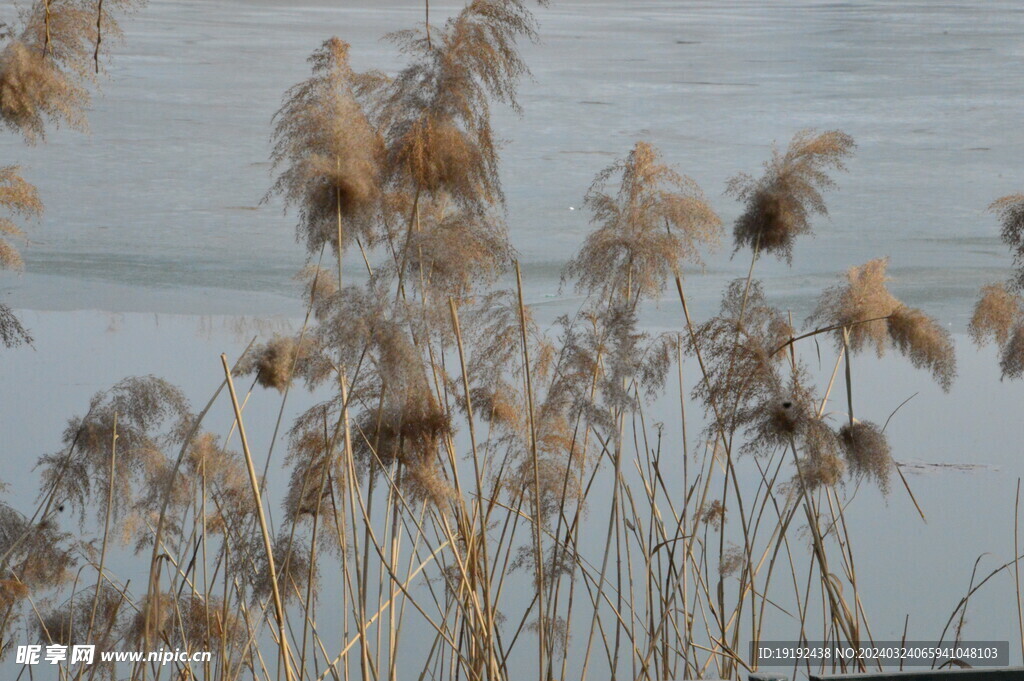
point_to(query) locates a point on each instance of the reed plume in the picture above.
(226, 480)
(292, 561)
(869, 315)
(649, 225)
(1010, 212)
(926, 344)
(999, 313)
(35, 559)
(19, 199)
(12, 332)
(779, 205)
(866, 450)
(69, 623)
(318, 476)
(147, 413)
(329, 151)
(996, 314)
(436, 112)
(494, 366)
(739, 348)
(275, 361)
(1011, 361)
(455, 250)
(39, 556)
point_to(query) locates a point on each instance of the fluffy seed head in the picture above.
(926, 344)
(866, 450)
(713, 514)
(17, 198)
(859, 305)
(996, 313)
(12, 591)
(274, 363)
(650, 222)
(1011, 360)
(1010, 211)
(33, 90)
(330, 153)
(12, 333)
(779, 205)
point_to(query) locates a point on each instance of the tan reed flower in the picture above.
(996, 313)
(866, 450)
(650, 222)
(779, 205)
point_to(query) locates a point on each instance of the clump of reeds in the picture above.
(453, 422)
(779, 205)
(650, 222)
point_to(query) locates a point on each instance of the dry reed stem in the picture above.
(267, 542)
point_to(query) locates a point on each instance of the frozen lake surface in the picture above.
(161, 201)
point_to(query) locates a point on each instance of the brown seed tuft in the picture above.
(45, 69)
(18, 198)
(995, 315)
(867, 452)
(12, 591)
(1010, 211)
(275, 362)
(1011, 361)
(330, 152)
(780, 204)
(713, 514)
(860, 305)
(928, 346)
(436, 112)
(653, 222)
